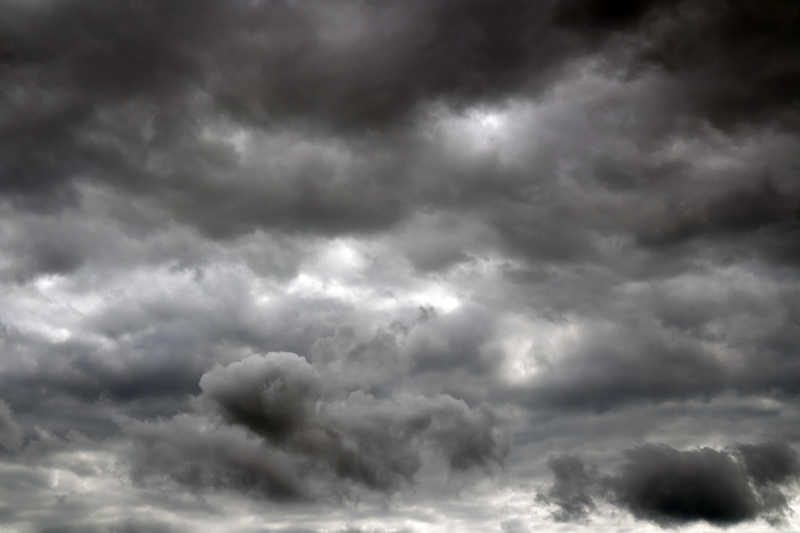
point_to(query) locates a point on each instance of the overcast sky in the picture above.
(384, 266)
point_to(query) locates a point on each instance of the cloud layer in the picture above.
(269, 265)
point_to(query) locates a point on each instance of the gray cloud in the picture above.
(10, 431)
(127, 526)
(185, 450)
(572, 488)
(283, 421)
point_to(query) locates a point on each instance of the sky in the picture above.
(399, 266)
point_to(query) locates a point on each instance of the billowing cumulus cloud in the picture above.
(271, 265)
(283, 425)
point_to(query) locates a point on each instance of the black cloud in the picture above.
(672, 487)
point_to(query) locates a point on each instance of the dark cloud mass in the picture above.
(672, 487)
(382, 265)
(290, 411)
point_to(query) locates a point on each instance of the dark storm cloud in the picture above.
(735, 62)
(407, 52)
(274, 396)
(748, 71)
(166, 64)
(597, 15)
(371, 439)
(167, 72)
(187, 451)
(672, 487)
(308, 424)
(166, 76)
(167, 69)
